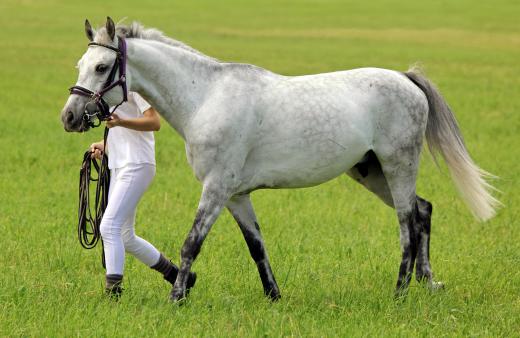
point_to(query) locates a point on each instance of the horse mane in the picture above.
(137, 31)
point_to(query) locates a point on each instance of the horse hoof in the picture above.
(274, 296)
(177, 296)
(400, 293)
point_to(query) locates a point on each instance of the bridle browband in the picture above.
(103, 110)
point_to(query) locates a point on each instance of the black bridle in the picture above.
(102, 111)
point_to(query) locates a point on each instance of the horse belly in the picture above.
(305, 157)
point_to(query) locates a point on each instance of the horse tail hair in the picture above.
(443, 136)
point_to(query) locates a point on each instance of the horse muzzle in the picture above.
(72, 116)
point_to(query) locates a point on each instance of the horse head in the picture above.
(101, 72)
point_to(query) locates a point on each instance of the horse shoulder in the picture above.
(217, 143)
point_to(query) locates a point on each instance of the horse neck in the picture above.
(173, 80)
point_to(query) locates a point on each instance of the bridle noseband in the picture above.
(103, 110)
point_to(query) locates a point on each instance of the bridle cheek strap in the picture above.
(121, 64)
(97, 98)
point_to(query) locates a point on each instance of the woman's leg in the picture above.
(136, 246)
(142, 249)
(126, 188)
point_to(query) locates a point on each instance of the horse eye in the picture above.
(101, 68)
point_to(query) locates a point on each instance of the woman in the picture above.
(131, 160)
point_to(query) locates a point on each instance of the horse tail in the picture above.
(444, 137)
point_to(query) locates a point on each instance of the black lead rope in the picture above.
(90, 216)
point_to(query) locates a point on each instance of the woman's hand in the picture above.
(114, 121)
(96, 150)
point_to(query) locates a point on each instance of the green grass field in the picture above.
(334, 248)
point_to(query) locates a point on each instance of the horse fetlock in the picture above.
(425, 278)
(405, 275)
(271, 289)
(268, 281)
(423, 275)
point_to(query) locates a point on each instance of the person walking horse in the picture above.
(131, 149)
(246, 128)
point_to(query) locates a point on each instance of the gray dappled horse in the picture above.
(246, 128)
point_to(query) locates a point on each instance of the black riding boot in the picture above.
(113, 286)
(170, 271)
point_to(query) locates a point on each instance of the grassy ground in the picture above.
(334, 248)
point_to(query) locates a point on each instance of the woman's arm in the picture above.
(149, 122)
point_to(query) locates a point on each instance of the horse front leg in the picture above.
(211, 203)
(242, 210)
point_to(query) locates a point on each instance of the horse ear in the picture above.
(111, 28)
(89, 31)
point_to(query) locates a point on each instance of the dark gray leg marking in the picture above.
(422, 268)
(208, 211)
(409, 251)
(242, 210)
(189, 252)
(417, 248)
(423, 271)
(258, 253)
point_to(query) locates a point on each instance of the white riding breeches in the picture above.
(127, 185)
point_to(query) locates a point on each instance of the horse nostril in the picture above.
(70, 116)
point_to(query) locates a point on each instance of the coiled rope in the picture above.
(90, 216)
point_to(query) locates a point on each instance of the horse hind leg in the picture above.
(393, 181)
(423, 271)
(415, 223)
(399, 167)
(369, 173)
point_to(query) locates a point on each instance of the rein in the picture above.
(89, 219)
(102, 111)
